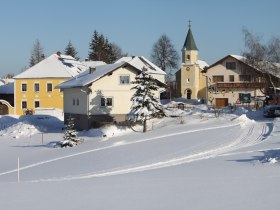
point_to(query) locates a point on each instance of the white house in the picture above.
(103, 94)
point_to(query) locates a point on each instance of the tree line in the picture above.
(262, 56)
(163, 52)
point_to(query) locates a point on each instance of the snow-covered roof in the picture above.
(139, 62)
(238, 57)
(5, 81)
(93, 64)
(86, 77)
(7, 88)
(55, 66)
(202, 64)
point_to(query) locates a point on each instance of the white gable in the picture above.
(139, 62)
(54, 66)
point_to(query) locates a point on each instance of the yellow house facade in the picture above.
(190, 81)
(35, 93)
(34, 88)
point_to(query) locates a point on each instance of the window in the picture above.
(231, 65)
(245, 97)
(36, 87)
(74, 102)
(219, 78)
(231, 78)
(188, 80)
(106, 101)
(23, 104)
(244, 78)
(49, 87)
(124, 79)
(23, 87)
(188, 57)
(36, 104)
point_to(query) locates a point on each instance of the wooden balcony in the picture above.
(255, 85)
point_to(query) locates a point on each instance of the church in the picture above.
(190, 81)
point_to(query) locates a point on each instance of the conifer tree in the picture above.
(100, 49)
(70, 135)
(145, 105)
(71, 50)
(37, 54)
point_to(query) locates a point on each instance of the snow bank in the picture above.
(244, 120)
(20, 129)
(107, 131)
(17, 126)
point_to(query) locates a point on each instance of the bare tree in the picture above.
(164, 54)
(117, 51)
(165, 57)
(264, 57)
(8, 76)
(37, 53)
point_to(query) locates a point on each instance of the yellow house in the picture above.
(190, 81)
(34, 88)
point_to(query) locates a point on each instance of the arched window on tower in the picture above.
(188, 57)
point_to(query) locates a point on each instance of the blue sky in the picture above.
(133, 25)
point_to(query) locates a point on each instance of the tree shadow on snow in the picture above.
(269, 156)
(52, 144)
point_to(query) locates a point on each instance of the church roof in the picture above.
(189, 42)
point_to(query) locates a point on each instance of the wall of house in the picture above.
(53, 99)
(220, 69)
(159, 77)
(110, 86)
(232, 94)
(75, 101)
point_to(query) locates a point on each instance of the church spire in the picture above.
(189, 42)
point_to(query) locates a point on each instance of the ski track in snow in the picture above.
(251, 135)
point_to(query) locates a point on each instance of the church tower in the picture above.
(188, 78)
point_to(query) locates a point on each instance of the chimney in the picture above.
(92, 69)
(58, 53)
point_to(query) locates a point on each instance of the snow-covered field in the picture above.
(192, 160)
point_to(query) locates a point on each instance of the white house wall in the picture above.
(109, 86)
(75, 101)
